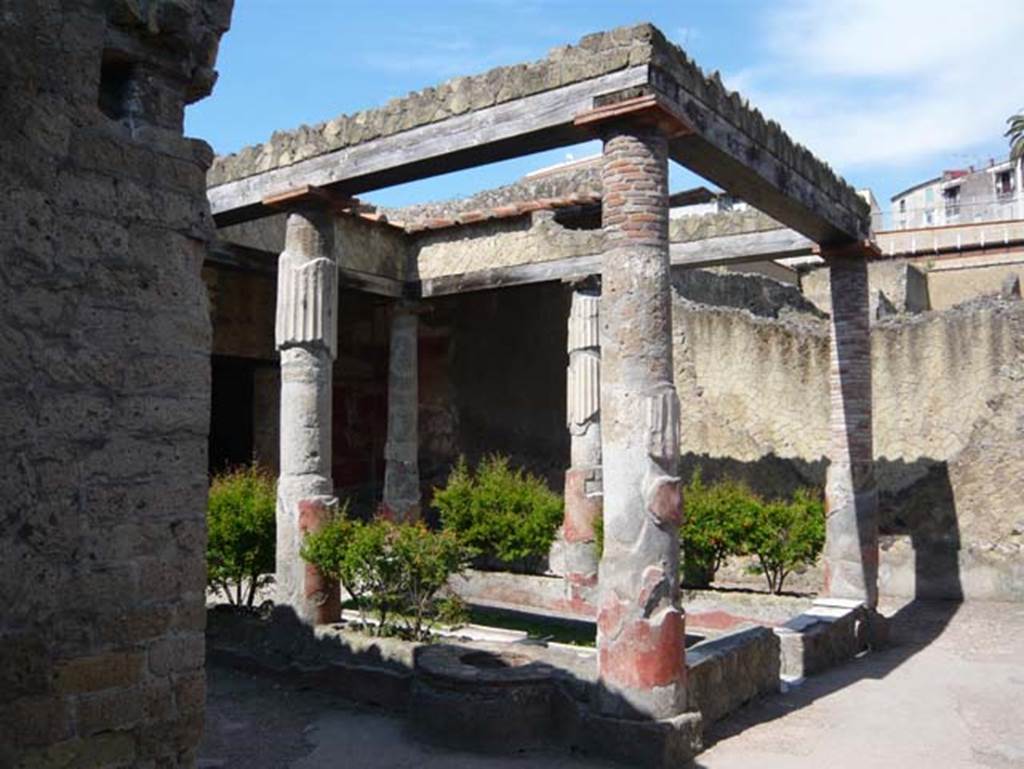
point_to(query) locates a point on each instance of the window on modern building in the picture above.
(1004, 184)
(903, 206)
(952, 197)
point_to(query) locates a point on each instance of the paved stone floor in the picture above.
(948, 694)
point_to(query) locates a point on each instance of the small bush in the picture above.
(500, 512)
(726, 518)
(786, 535)
(394, 571)
(714, 521)
(241, 525)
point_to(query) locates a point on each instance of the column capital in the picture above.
(310, 197)
(866, 250)
(648, 111)
(585, 284)
(307, 280)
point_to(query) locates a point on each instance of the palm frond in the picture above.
(1015, 133)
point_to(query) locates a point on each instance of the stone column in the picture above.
(401, 452)
(583, 417)
(851, 538)
(640, 636)
(306, 335)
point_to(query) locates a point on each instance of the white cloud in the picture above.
(889, 82)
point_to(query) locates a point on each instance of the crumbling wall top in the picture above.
(188, 31)
(573, 184)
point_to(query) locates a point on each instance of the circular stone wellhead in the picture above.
(488, 698)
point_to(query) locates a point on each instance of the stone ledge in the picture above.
(377, 671)
(666, 744)
(727, 672)
(831, 632)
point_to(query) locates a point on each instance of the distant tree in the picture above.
(1015, 133)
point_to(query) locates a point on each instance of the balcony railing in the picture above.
(943, 213)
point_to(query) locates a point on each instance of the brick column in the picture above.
(583, 416)
(851, 539)
(401, 452)
(306, 335)
(640, 636)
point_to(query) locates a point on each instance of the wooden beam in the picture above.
(539, 122)
(516, 275)
(235, 257)
(369, 283)
(307, 193)
(650, 109)
(238, 257)
(727, 156)
(737, 249)
(710, 252)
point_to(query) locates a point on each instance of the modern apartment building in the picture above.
(961, 196)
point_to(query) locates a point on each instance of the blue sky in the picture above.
(889, 92)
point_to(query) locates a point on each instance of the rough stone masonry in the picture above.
(104, 382)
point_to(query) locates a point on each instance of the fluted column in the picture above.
(401, 500)
(583, 417)
(641, 657)
(851, 534)
(306, 335)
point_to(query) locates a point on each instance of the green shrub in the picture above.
(500, 512)
(726, 518)
(394, 571)
(786, 535)
(715, 518)
(241, 525)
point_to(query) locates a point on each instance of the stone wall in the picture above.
(540, 237)
(501, 243)
(752, 380)
(503, 372)
(581, 178)
(362, 245)
(948, 425)
(105, 340)
(954, 281)
(896, 286)
(242, 307)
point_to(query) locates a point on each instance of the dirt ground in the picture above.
(947, 694)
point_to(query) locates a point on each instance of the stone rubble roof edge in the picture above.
(595, 55)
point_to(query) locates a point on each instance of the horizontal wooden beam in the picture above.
(238, 257)
(710, 252)
(308, 194)
(725, 250)
(768, 245)
(650, 109)
(533, 123)
(727, 156)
